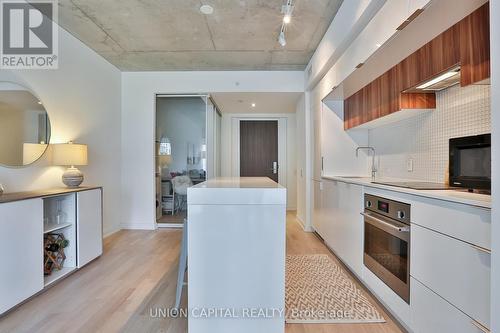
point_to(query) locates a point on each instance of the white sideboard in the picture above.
(25, 218)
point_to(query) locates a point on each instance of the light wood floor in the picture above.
(177, 218)
(113, 293)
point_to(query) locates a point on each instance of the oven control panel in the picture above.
(394, 209)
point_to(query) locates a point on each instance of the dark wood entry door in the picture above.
(259, 148)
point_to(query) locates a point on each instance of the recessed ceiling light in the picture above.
(253, 105)
(206, 9)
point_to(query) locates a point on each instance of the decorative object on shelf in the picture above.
(61, 215)
(54, 245)
(70, 154)
(1, 189)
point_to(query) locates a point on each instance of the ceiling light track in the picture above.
(286, 10)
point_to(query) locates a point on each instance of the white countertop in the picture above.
(459, 196)
(239, 182)
(237, 191)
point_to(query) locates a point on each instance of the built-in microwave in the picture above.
(470, 162)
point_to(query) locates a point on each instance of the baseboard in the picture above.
(303, 225)
(170, 225)
(138, 226)
(111, 232)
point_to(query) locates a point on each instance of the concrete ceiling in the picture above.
(147, 35)
(278, 102)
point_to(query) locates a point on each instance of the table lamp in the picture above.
(70, 154)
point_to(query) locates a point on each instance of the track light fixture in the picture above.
(282, 39)
(287, 10)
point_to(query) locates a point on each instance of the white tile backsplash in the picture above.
(424, 138)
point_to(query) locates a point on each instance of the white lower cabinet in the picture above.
(457, 271)
(89, 217)
(317, 211)
(21, 237)
(74, 215)
(342, 205)
(330, 201)
(430, 313)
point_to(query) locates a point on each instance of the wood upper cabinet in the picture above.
(465, 43)
(437, 56)
(475, 46)
(354, 109)
(382, 97)
(417, 101)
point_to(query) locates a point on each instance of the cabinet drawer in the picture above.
(457, 271)
(432, 314)
(468, 223)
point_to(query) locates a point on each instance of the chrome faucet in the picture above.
(374, 169)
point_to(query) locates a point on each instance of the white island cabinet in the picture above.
(236, 256)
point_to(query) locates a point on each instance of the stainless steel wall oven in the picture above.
(387, 242)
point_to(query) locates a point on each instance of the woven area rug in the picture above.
(318, 290)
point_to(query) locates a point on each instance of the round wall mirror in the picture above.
(24, 126)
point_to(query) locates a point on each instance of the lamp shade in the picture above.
(165, 160)
(69, 154)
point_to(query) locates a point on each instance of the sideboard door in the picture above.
(89, 222)
(21, 246)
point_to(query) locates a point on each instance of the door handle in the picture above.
(275, 168)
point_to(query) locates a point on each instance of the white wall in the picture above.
(495, 126)
(338, 147)
(138, 95)
(228, 157)
(82, 99)
(300, 155)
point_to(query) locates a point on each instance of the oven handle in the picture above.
(387, 224)
(480, 326)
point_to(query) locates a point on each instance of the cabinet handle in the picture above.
(479, 248)
(480, 326)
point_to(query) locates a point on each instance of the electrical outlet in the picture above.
(409, 165)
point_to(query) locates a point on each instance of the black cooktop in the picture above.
(417, 185)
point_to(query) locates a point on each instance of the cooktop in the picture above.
(417, 185)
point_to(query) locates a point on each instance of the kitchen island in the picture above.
(236, 256)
